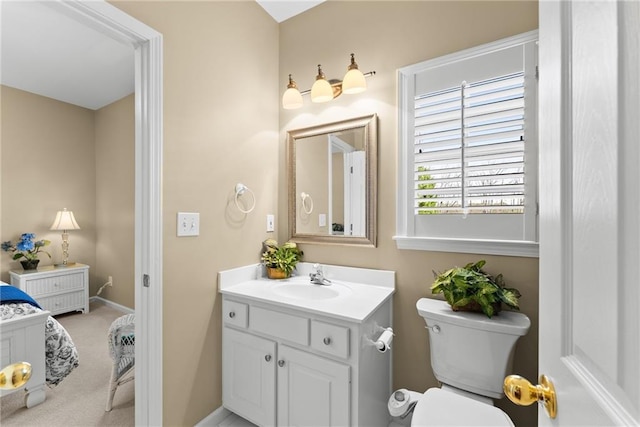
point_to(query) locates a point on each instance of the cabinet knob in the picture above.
(232, 314)
(267, 358)
(326, 340)
(281, 363)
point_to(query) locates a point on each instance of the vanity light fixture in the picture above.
(324, 90)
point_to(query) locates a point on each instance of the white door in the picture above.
(312, 390)
(590, 210)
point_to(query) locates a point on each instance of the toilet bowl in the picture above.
(470, 356)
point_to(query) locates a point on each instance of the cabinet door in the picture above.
(248, 376)
(312, 390)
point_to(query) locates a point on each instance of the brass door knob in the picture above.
(15, 376)
(521, 392)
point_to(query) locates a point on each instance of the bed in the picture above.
(30, 334)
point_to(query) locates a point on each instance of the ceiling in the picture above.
(46, 52)
(281, 10)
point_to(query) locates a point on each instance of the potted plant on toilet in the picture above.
(280, 261)
(469, 288)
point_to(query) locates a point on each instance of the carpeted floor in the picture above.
(81, 398)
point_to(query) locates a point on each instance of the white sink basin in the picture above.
(307, 291)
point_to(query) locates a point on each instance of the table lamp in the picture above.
(64, 222)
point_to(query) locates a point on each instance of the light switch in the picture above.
(271, 223)
(188, 224)
(322, 220)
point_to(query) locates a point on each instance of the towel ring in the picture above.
(305, 197)
(240, 190)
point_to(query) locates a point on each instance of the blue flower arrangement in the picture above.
(26, 247)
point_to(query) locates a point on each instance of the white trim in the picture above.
(405, 227)
(469, 246)
(601, 393)
(470, 53)
(215, 418)
(147, 43)
(119, 307)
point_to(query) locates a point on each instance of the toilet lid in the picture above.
(444, 408)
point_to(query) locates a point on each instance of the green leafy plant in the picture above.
(470, 287)
(26, 247)
(283, 257)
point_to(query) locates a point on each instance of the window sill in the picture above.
(488, 247)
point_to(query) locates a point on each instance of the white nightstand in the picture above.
(57, 289)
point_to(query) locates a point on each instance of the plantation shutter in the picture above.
(469, 143)
(468, 166)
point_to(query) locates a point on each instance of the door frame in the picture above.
(148, 47)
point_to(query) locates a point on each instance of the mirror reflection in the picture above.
(332, 182)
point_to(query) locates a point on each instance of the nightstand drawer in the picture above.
(62, 303)
(54, 284)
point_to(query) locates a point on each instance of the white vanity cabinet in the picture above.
(289, 367)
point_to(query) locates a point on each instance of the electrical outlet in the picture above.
(271, 226)
(110, 281)
(188, 224)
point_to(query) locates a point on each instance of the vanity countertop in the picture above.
(353, 295)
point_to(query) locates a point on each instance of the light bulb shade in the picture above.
(291, 99)
(65, 221)
(321, 91)
(354, 82)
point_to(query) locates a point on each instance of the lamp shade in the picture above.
(321, 91)
(354, 82)
(291, 99)
(65, 221)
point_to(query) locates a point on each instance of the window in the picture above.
(468, 151)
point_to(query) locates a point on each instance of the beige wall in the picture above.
(221, 103)
(386, 36)
(115, 201)
(48, 163)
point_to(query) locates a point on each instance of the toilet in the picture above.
(470, 355)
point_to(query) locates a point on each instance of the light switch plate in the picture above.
(322, 220)
(188, 224)
(271, 226)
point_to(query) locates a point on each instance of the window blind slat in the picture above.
(493, 139)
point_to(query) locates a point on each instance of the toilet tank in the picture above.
(470, 351)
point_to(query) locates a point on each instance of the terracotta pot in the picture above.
(276, 273)
(30, 264)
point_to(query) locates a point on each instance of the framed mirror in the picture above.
(333, 182)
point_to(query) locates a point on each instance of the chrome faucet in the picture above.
(318, 278)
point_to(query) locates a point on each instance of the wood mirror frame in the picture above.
(367, 126)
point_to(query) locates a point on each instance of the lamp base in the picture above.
(68, 264)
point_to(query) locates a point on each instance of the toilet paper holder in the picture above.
(383, 341)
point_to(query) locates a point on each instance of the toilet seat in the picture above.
(439, 407)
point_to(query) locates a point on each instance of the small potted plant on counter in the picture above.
(471, 289)
(280, 261)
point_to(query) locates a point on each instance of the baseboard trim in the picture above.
(215, 418)
(112, 304)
